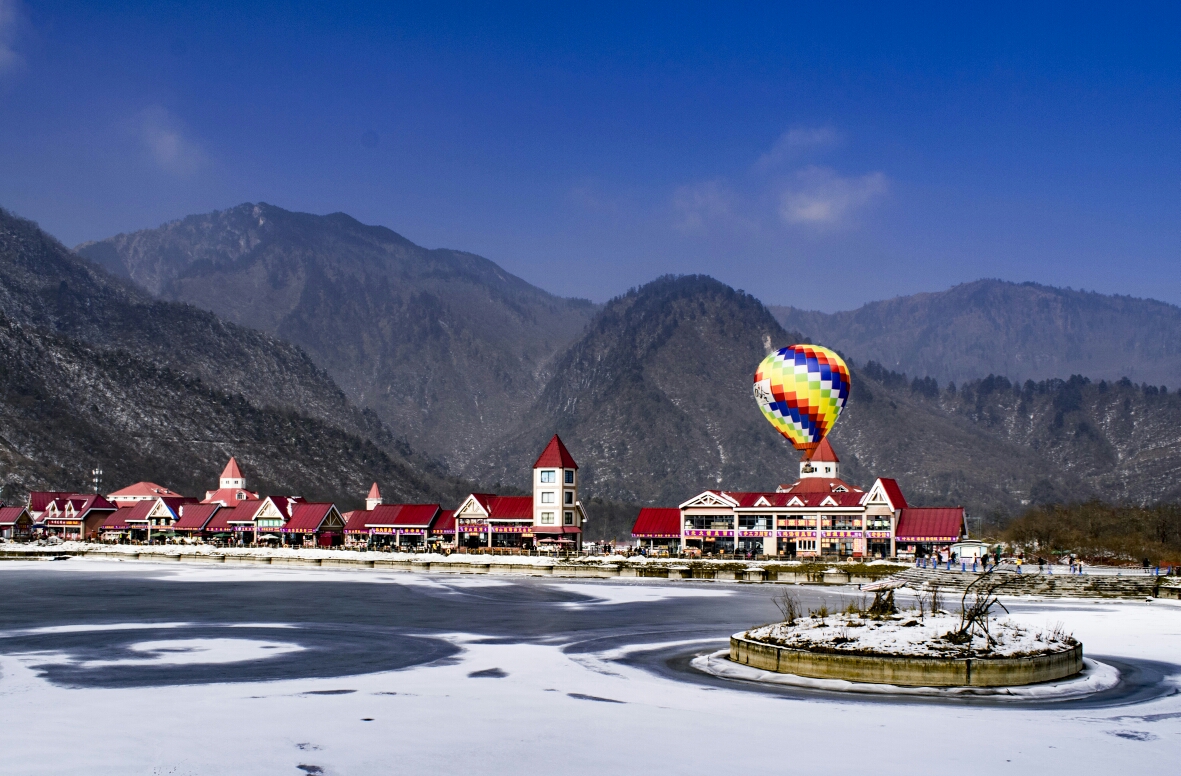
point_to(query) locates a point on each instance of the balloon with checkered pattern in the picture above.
(801, 390)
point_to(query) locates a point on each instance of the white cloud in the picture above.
(10, 18)
(166, 144)
(821, 197)
(700, 206)
(795, 142)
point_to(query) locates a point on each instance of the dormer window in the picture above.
(241, 496)
(548, 475)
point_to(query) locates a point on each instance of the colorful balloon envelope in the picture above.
(801, 390)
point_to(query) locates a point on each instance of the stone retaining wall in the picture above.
(908, 671)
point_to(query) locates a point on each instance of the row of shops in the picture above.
(233, 515)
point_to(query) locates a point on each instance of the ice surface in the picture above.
(550, 713)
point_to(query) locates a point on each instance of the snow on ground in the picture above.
(519, 708)
(909, 633)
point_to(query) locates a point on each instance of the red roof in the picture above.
(818, 485)
(924, 524)
(374, 492)
(221, 519)
(232, 471)
(416, 515)
(356, 521)
(9, 515)
(556, 455)
(824, 453)
(382, 514)
(894, 493)
(39, 499)
(657, 522)
(194, 517)
(117, 521)
(229, 496)
(308, 516)
(445, 524)
(141, 490)
(138, 512)
(511, 507)
(806, 498)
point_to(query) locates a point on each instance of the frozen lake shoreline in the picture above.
(230, 670)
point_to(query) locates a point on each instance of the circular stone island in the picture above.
(908, 650)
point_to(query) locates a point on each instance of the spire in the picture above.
(555, 455)
(373, 499)
(824, 453)
(231, 476)
(232, 469)
(821, 461)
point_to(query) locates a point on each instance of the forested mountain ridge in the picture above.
(1019, 330)
(445, 346)
(93, 371)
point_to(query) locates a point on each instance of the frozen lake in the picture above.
(119, 668)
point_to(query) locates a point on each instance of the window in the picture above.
(547, 497)
(755, 522)
(569, 497)
(569, 476)
(569, 518)
(547, 518)
(547, 475)
(709, 522)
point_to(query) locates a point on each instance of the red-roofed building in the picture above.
(140, 491)
(15, 523)
(231, 487)
(658, 527)
(192, 519)
(314, 523)
(818, 515)
(74, 516)
(553, 516)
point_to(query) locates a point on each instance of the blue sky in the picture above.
(815, 156)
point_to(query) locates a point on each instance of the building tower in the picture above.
(232, 477)
(822, 462)
(373, 499)
(555, 487)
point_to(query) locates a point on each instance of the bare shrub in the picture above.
(788, 604)
(820, 613)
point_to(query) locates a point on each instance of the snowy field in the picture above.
(155, 669)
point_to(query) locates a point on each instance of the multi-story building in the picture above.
(817, 515)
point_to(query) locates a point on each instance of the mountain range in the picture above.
(449, 368)
(444, 346)
(95, 371)
(1022, 331)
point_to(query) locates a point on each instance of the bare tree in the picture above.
(976, 614)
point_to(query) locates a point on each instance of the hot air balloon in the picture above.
(801, 390)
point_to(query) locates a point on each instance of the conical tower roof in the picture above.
(556, 455)
(232, 471)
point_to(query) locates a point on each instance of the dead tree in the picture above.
(976, 614)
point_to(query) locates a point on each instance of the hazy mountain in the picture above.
(655, 403)
(1023, 331)
(445, 346)
(93, 370)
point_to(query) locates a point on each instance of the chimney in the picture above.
(289, 508)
